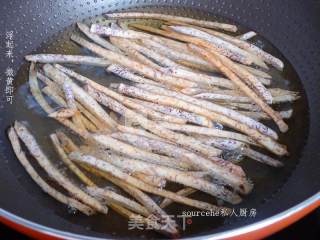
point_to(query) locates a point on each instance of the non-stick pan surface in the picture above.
(292, 27)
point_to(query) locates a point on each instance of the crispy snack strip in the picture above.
(116, 172)
(74, 59)
(97, 39)
(45, 163)
(219, 61)
(13, 137)
(202, 23)
(133, 65)
(80, 95)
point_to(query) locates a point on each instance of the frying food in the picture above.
(194, 91)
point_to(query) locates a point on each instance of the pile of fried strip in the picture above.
(186, 77)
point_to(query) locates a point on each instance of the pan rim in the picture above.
(285, 208)
(252, 231)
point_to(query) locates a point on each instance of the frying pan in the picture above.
(293, 28)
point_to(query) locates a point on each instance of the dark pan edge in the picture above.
(274, 223)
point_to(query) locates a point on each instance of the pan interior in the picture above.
(266, 180)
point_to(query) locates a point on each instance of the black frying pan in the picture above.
(280, 196)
